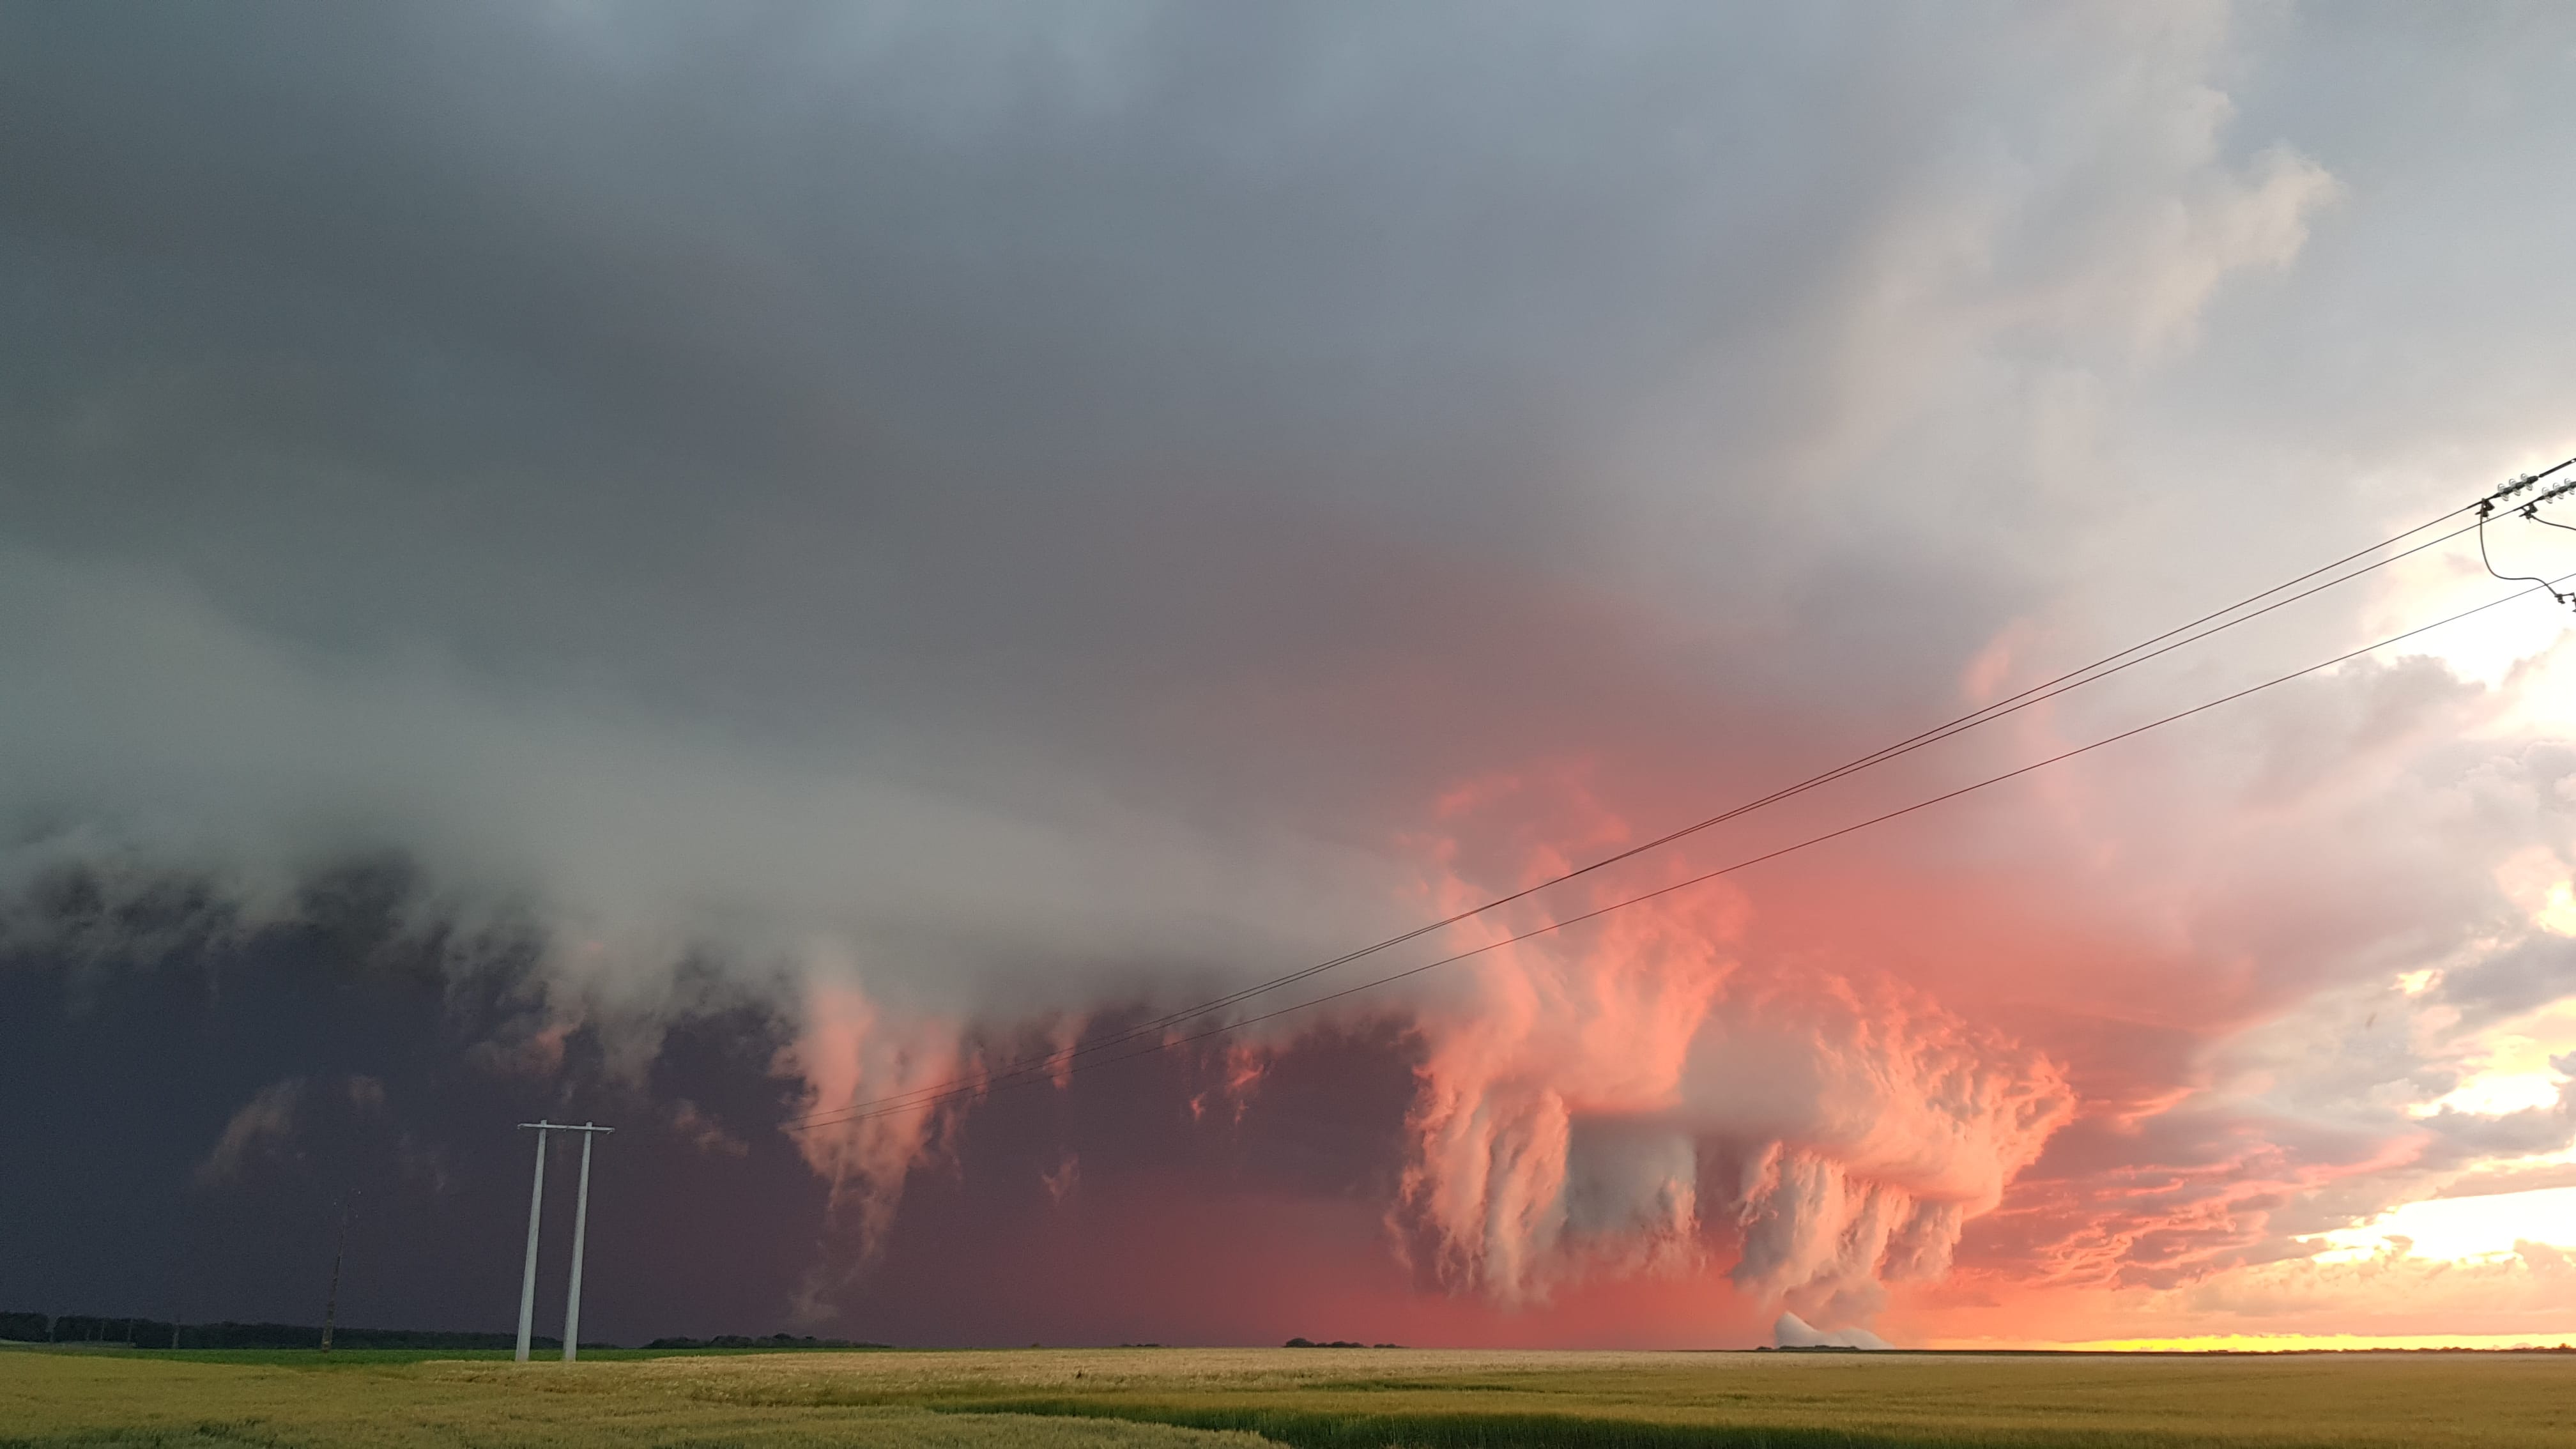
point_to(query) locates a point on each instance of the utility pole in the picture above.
(339, 1250)
(528, 1278)
(581, 1213)
(580, 1229)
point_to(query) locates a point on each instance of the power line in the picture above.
(2011, 704)
(1048, 1064)
(2481, 526)
(2531, 510)
(868, 1111)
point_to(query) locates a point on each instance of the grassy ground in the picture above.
(1319, 1399)
(400, 1399)
(341, 1358)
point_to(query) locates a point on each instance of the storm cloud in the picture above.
(781, 554)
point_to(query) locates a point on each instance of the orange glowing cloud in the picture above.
(1620, 1099)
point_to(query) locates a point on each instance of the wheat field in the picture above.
(1324, 1399)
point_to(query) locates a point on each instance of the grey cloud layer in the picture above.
(1052, 496)
(1124, 396)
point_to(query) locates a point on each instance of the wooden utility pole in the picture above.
(339, 1250)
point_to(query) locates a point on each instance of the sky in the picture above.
(703, 567)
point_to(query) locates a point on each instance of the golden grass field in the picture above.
(1307, 1397)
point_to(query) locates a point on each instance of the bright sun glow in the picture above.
(2496, 1093)
(2558, 912)
(2272, 1342)
(2502, 638)
(2514, 1068)
(2537, 881)
(2460, 1227)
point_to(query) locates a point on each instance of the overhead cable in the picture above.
(1168, 1043)
(1048, 1064)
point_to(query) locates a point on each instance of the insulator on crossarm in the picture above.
(2524, 482)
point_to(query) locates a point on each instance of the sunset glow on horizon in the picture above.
(2281, 1343)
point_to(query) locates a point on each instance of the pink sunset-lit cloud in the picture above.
(1939, 1080)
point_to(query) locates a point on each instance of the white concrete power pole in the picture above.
(580, 1229)
(580, 1225)
(528, 1277)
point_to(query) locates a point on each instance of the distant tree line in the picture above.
(154, 1333)
(775, 1340)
